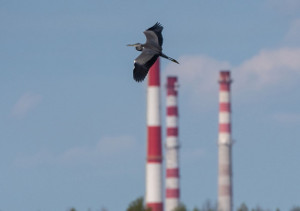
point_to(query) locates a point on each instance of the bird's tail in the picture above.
(166, 57)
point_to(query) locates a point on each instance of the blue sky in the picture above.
(73, 127)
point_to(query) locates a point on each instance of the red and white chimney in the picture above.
(154, 196)
(172, 146)
(224, 144)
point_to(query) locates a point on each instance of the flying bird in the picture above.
(151, 50)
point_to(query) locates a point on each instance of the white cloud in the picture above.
(198, 72)
(108, 148)
(25, 103)
(268, 68)
(198, 75)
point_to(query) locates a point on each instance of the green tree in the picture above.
(243, 207)
(258, 208)
(296, 208)
(137, 205)
(196, 209)
(181, 207)
(208, 206)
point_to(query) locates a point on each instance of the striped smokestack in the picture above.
(225, 143)
(154, 198)
(172, 146)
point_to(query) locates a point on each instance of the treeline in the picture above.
(243, 207)
(138, 205)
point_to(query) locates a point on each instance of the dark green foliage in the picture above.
(208, 206)
(137, 205)
(243, 207)
(258, 208)
(181, 207)
(295, 208)
(196, 209)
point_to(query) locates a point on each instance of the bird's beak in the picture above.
(130, 45)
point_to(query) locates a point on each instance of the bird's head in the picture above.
(138, 46)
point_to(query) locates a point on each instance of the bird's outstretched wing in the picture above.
(153, 35)
(143, 63)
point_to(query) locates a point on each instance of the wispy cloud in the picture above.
(197, 71)
(270, 68)
(25, 103)
(198, 75)
(107, 148)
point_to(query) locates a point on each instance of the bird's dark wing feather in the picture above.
(153, 34)
(146, 56)
(139, 72)
(142, 64)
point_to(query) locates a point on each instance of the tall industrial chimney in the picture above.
(225, 143)
(172, 146)
(154, 196)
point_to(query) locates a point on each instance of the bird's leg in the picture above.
(166, 57)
